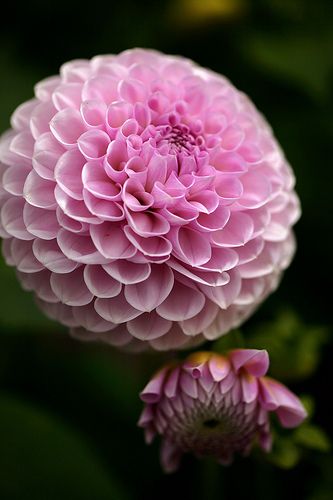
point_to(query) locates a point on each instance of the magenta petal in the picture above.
(253, 361)
(182, 303)
(276, 397)
(70, 288)
(153, 390)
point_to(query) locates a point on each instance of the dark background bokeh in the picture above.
(68, 410)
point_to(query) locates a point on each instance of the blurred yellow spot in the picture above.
(198, 11)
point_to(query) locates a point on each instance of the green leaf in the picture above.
(294, 347)
(312, 437)
(43, 459)
(301, 58)
(285, 453)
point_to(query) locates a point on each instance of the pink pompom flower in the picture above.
(145, 200)
(214, 405)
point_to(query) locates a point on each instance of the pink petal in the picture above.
(39, 192)
(117, 310)
(128, 272)
(151, 292)
(182, 303)
(68, 173)
(23, 257)
(153, 390)
(103, 88)
(70, 288)
(50, 255)
(14, 178)
(111, 241)
(191, 246)
(79, 248)
(93, 112)
(23, 145)
(76, 209)
(93, 144)
(103, 209)
(155, 246)
(67, 95)
(67, 126)
(98, 183)
(237, 231)
(12, 219)
(41, 117)
(46, 155)
(100, 282)
(276, 397)
(87, 317)
(250, 390)
(135, 197)
(148, 326)
(255, 362)
(194, 326)
(40, 223)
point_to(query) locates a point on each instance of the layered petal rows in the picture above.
(214, 405)
(144, 199)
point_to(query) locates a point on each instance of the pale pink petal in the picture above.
(100, 282)
(40, 223)
(68, 171)
(128, 272)
(182, 303)
(70, 288)
(111, 241)
(148, 326)
(39, 192)
(50, 255)
(117, 310)
(151, 292)
(67, 126)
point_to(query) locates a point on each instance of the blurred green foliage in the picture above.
(68, 410)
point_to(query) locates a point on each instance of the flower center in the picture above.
(178, 139)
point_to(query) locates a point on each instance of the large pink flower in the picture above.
(145, 199)
(214, 405)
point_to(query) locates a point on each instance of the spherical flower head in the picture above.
(144, 200)
(214, 405)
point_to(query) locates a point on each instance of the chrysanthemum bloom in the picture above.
(144, 198)
(214, 405)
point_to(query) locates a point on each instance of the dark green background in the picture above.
(68, 410)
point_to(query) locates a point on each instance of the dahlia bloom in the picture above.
(144, 200)
(214, 405)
